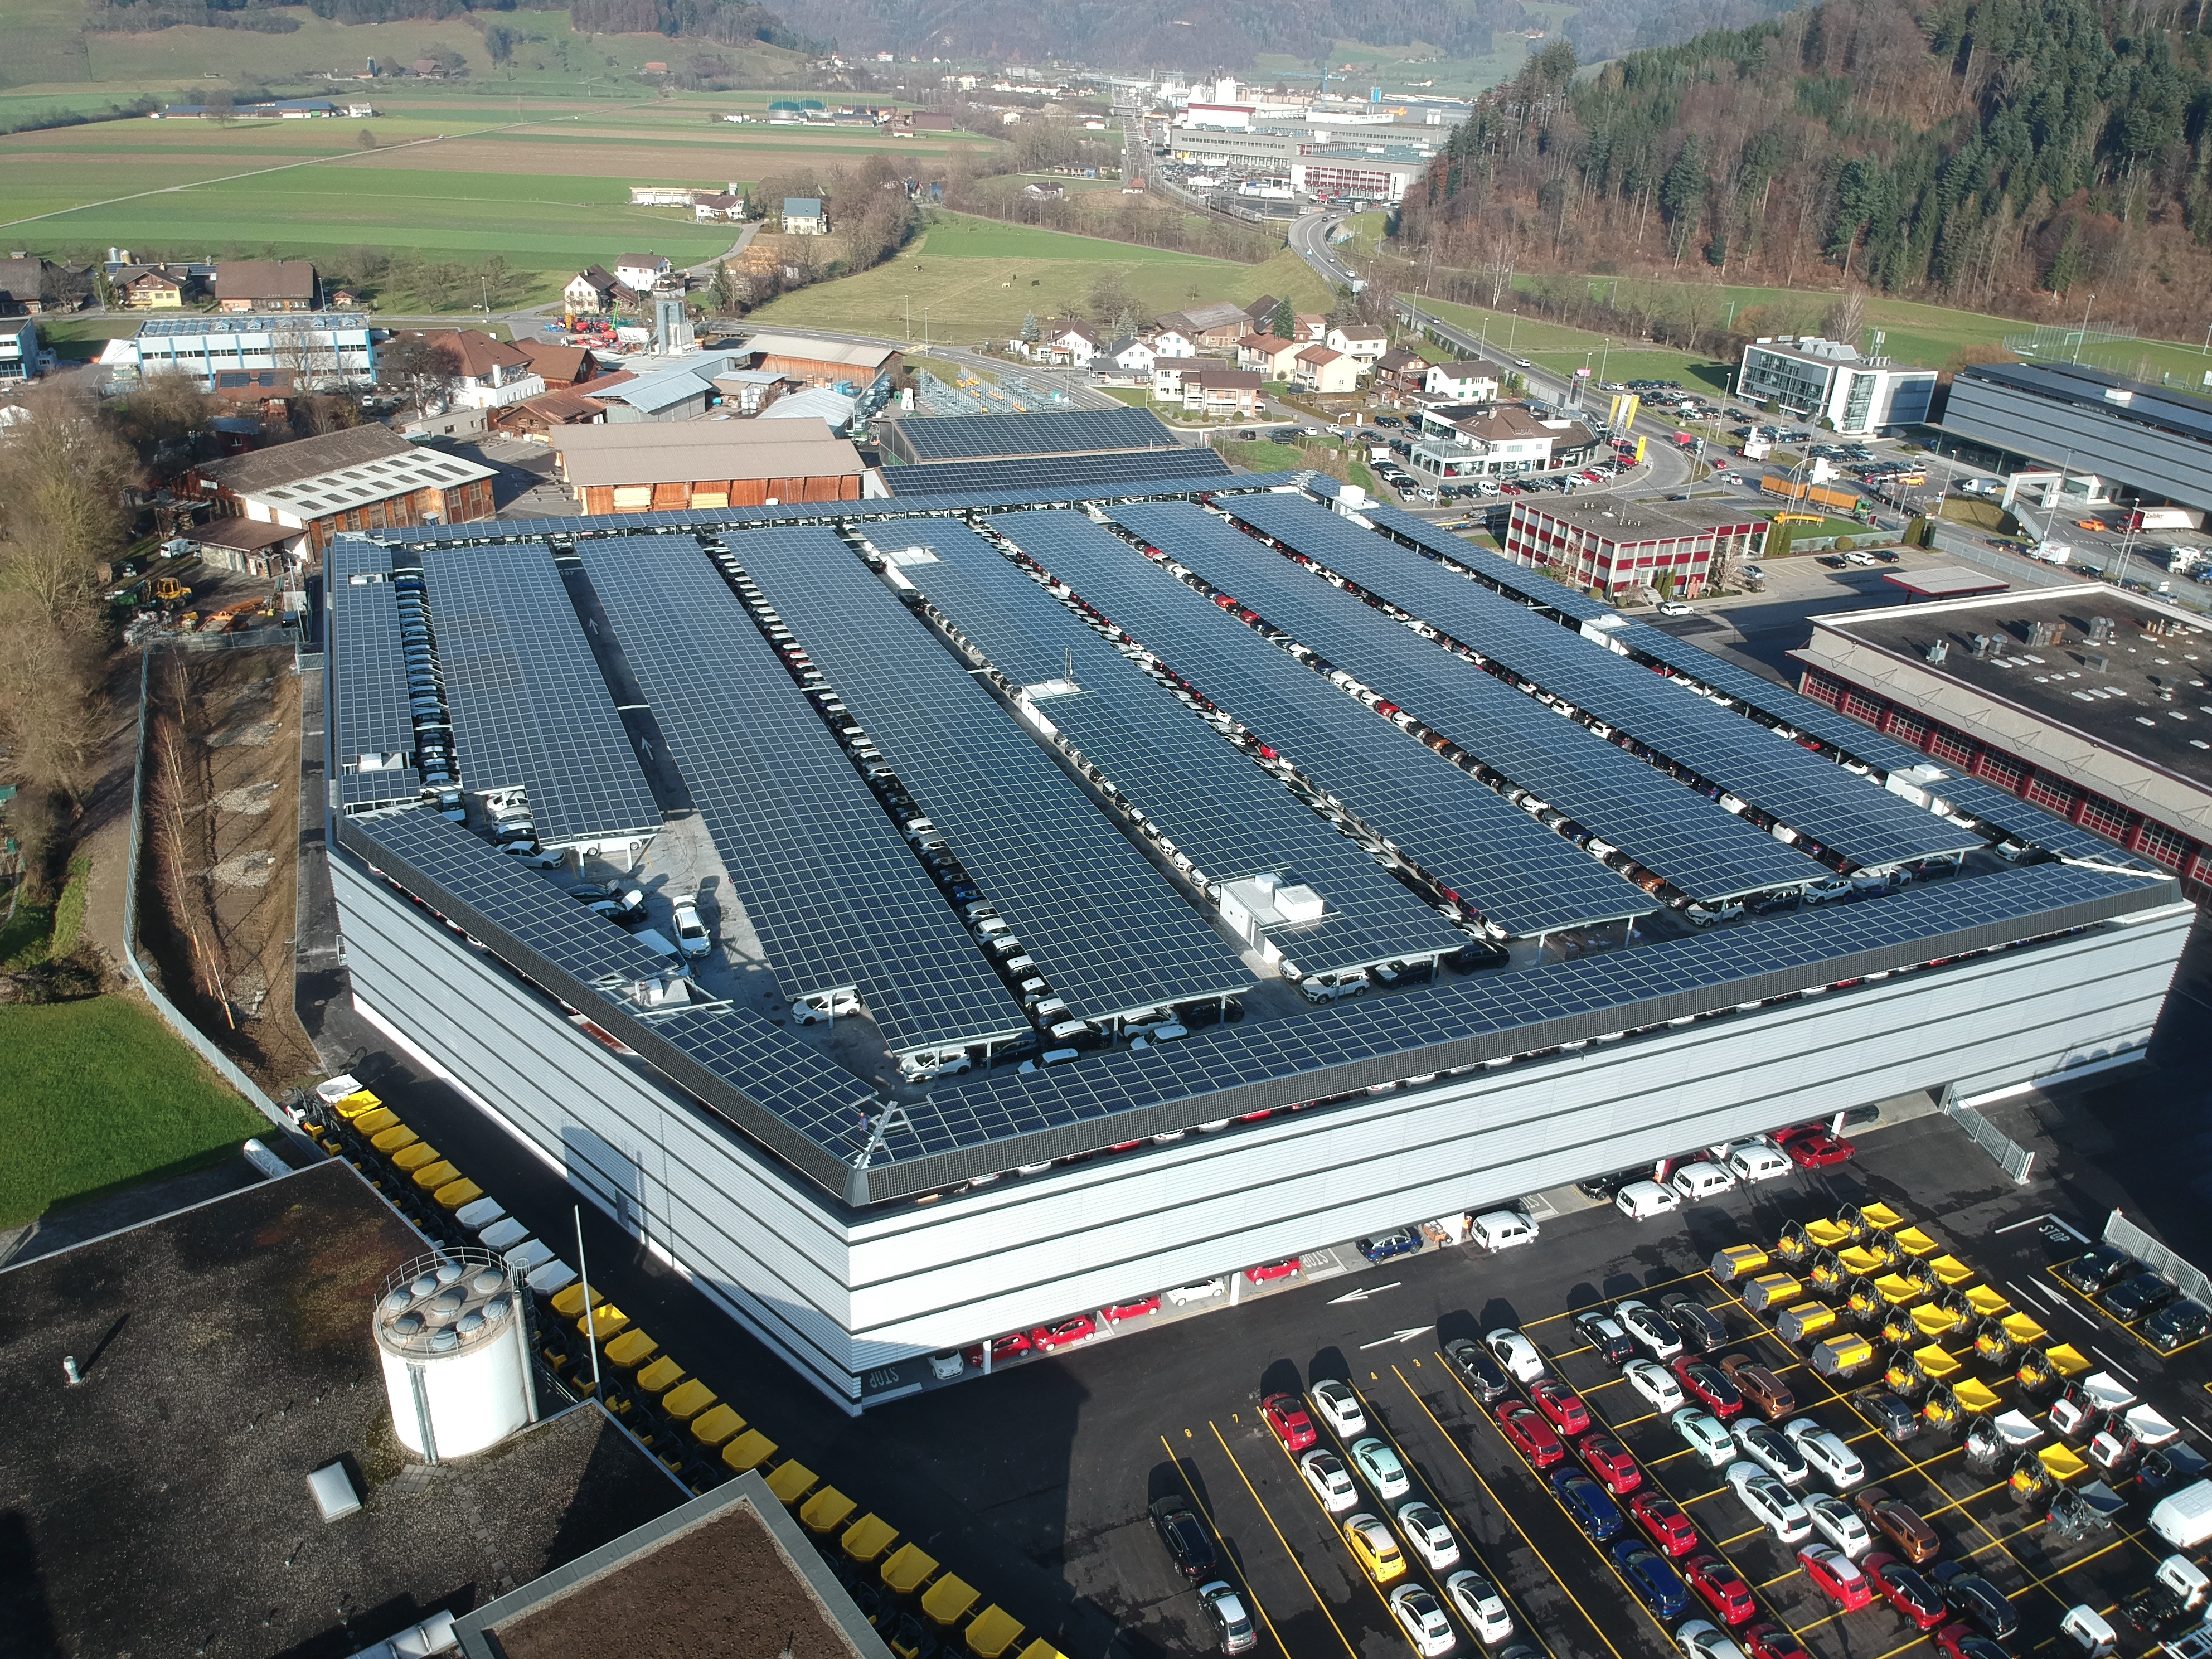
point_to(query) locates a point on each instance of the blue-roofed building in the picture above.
(805, 215)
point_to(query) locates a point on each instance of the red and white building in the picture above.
(1619, 549)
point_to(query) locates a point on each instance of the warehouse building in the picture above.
(1813, 379)
(836, 1118)
(1622, 548)
(2086, 701)
(2099, 430)
(320, 348)
(367, 477)
(639, 467)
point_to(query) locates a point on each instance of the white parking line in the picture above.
(2113, 1362)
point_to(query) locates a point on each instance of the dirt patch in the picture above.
(218, 851)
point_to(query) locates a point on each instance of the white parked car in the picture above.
(1331, 987)
(1480, 1605)
(1825, 1451)
(946, 1365)
(1331, 1481)
(1422, 1617)
(1651, 1327)
(1756, 1160)
(1702, 1180)
(691, 937)
(1516, 1353)
(1641, 1200)
(1704, 1435)
(1424, 1530)
(1655, 1383)
(1336, 1405)
(825, 1006)
(1831, 887)
(1674, 608)
(1185, 1295)
(1839, 1524)
(1767, 1446)
(1770, 1503)
(1701, 1638)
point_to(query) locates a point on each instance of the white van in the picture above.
(1702, 1181)
(1642, 1199)
(2090, 1631)
(1755, 1160)
(1501, 1230)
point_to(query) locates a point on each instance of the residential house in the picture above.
(1130, 354)
(1326, 373)
(714, 205)
(1171, 342)
(366, 477)
(1216, 327)
(597, 291)
(1221, 391)
(805, 215)
(22, 286)
(1400, 371)
(1261, 313)
(1068, 340)
(640, 272)
(487, 372)
(151, 288)
(19, 349)
(1267, 355)
(266, 285)
(536, 418)
(1461, 442)
(1167, 377)
(1464, 382)
(559, 366)
(1360, 341)
(1044, 190)
(1312, 326)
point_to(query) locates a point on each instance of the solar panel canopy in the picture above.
(1056, 431)
(1056, 472)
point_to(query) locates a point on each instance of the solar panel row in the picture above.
(1817, 798)
(1056, 472)
(2031, 824)
(368, 676)
(1231, 820)
(1676, 832)
(1105, 927)
(1055, 432)
(1513, 872)
(833, 889)
(529, 706)
(1517, 582)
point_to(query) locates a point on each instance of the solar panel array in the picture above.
(798, 1082)
(528, 704)
(368, 671)
(1517, 580)
(2030, 823)
(1055, 471)
(1816, 797)
(1513, 871)
(1229, 818)
(833, 889)
(977, 1110)
(1104, 925)
(1668, 828)
(1056, 431)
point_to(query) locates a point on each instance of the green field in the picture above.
(98, 1094)
(1561, 349)
(979, 278)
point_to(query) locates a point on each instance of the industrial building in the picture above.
(1811, 379)
(365, 478)
(1043, 840)
(2087, 701)
(1623, 547)
(644, 467)
(320, 348)
(2099, 430)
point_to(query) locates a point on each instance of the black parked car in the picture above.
(1604, 1189)
(2099, 1269)
(2176, 1325)
(1483, 1373)
(1185, 1535)
(1702, 1329)
(2133, 1298)
(1975, 1600)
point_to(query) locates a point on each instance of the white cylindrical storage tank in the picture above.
(450, 1331)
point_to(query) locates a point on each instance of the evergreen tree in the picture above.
(1030, 331)
(1284, 324)
(2066, 266)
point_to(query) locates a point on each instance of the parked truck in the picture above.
(1844, 501)
(2184, 1519)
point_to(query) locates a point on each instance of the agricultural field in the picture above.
(1561, 349)
(979, 278)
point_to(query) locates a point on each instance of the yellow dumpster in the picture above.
(2023, 1330)
(414, 1155)
(631, 1349)
(568, 1302)
(1879, 1214)
(1737, 1261)
(748, 1452)
(867, 1538)
(1899, 1290)
(390, 1141)
(826, 1511)
(714, 1425)
(358, 1105)
(1932, 1321)
(2062, 1462)
(1913, 1242)
(1987, 1302)
(1827, 1235)
(1772, 1291)
(687, 1399)
(947, 1600)
(908, 1569)
(1041, 1649)
(602, 1323)
(792, 1482)
(2067, 1360)
(992, 1631)
(1950, 1271)
(376, 1122)
(662, 1374)
(1840, 1356)
(1973, 1396)
(454, 1194)
(1939, 1365)
(431, 1176)
(1861, 1261)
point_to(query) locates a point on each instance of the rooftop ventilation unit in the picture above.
(2103, 630)
(1980, 648)
(449, 1330)
(1938, 650)
(2042, 633)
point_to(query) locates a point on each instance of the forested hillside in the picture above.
(1999, 154)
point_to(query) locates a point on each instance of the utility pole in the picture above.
(2083, 338)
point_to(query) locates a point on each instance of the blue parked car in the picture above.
(1589, 1504)
(1403, 1242)
(1656, 1583)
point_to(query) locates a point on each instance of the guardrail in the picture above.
(2016, 1160)
(2187, 1277)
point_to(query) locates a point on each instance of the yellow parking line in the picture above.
(1607, 1302)
(1906, 1647)
(1335, 1526)
(1779, 1577)
(1214, 1526)
(1511, 1519)
(1268, 1515)
(1726, 1543)
(1648, 1417)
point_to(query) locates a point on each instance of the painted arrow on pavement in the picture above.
(1363, 1293)
(1398, 1336)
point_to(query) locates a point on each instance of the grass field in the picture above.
(979, 278)
(99, 1093)
(1561, 349)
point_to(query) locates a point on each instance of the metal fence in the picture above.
(2123, 1234)
(2014, 1159)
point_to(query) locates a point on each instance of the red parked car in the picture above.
(1562, 1405)
(1267, 1270)
(1607, 1460)
(1773, 1641)
(1663, 1522)
(1906, 1589)
(1288, 1418)
(1811, 1147)
(1002, 1349)
(1137, 1309)
(1963, 1641)
(1836, 1576)
(1720, 1587)
(1045, 1338)
(1709, 1384)
(1530, 1434)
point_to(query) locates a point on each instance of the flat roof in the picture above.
(2063, 701)
(852, 354)
(2144, 404)
(1946, 582)
(1641, 521)
(226, 1355)
(684, 454)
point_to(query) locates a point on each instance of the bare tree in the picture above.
(62, 475)
(1846, 319)
(427, 370)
